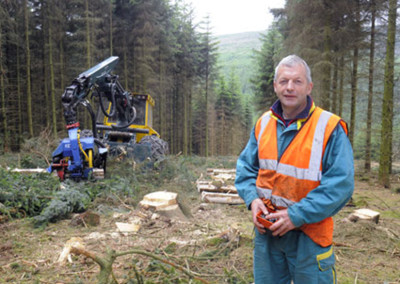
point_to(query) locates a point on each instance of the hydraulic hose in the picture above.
(129, 123)
(103, 109)
(87, 105)
(83, 152)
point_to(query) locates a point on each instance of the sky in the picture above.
(234, 16)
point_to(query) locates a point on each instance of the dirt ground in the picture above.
(214, 244)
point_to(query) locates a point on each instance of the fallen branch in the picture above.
(123, 203)
(106, 263)
(189, 273)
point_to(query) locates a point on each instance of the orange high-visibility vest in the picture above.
(299, 170)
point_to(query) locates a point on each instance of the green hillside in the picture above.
(236, 55)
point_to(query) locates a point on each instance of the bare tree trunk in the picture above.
(341, 85)
(28, 71)
(19, 95)
(353, 95)
(111, 27)
(326, 68)
(190, 123)
(61, 72)
(354, 75)
(88, 51)
(52, 87)
(186, 119)
(3, 113)
(334, 87)
(86, 117)
(125, 64)
(367, 165)
(387, 106)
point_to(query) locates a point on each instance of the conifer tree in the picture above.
(266, 59)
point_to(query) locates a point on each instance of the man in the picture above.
(297, 169)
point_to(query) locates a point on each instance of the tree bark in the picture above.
(387, 106)
(111, 27)
(326, 67)
(3, 114)
(52, 87)
(353, 95)
(367, 165)
(334, 87)
(28, 71)
(341, 85)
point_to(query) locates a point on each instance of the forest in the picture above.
(205, 111)
(349, 45)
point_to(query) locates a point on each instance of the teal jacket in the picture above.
(337, 182)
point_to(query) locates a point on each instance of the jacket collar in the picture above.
(277, 111)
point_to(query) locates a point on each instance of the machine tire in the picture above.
(159, 147)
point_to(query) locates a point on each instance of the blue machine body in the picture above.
(69, 147)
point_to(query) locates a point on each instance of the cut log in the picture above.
(212, 188)
(201, 182)
(29, 171)
(158, 200)
(98, 173)
(127, 227)
(364, 214)
(220, 171)
(225, 198)
(223, 177)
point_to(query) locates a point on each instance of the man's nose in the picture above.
(290, 85)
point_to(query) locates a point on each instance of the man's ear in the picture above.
(310, 87)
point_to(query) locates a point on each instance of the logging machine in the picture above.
(121, 126)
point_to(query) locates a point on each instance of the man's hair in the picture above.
(293, 60)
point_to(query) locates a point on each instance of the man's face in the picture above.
(292, 88)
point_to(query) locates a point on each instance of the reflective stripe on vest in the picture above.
(278, 201)
(313, 172)
(264, 121)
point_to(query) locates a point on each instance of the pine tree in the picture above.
(266, 60)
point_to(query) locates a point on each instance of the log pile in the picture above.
(218, 187)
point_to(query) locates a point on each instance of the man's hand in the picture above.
(282, 225)
(256, 206)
